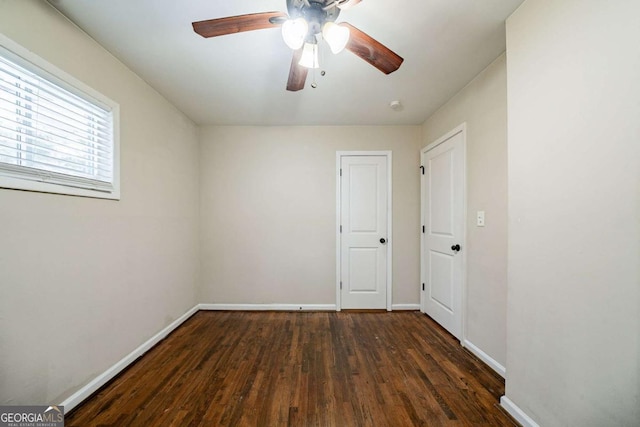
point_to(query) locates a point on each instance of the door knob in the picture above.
(383, 241)
(455, 248)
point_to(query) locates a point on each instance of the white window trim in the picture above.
(65, 80)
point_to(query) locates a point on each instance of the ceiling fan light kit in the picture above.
(308, 19)
(309, 57)
(336, 36)
(294, 32)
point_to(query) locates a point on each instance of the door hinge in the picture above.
(340, 285)
(423, 229)
(423, 286)
(340, 229)
(340, 171)
(422, 167)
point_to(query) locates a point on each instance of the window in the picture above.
(56, 134)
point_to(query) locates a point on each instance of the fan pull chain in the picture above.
(322, 58)
(314, 84)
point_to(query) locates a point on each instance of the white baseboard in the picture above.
(405, 307)
(517, 413)
(86, 391)
(269, 307)
(493, 364)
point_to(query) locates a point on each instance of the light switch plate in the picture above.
(480, 219)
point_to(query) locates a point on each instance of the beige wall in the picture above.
(574, 212)
(83, 281)
(482, 105)
(268, 211)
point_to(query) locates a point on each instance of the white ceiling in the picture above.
(240, 79)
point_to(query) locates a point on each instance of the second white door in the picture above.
(364, 235)
(443, 230)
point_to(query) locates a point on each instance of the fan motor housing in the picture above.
(314, 14)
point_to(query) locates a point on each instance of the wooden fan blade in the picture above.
(348, 4)
(297, 73)
(372, 51)
(237, 24)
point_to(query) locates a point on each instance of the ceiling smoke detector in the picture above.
(395, 105)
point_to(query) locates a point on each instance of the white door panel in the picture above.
(363, 199)
(443, 216)
(363, 218)
(363, 271)
(440, 276)
(440, 170)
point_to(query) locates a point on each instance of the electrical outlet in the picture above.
(480, 219)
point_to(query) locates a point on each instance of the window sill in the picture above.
(10, 183)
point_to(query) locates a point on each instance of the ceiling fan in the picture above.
(301, 29)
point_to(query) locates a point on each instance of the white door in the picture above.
(364, 238)
(443, 232)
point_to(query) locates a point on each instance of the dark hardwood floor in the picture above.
(301, 369)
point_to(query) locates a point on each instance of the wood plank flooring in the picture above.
(301, 369)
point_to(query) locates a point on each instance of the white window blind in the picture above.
(52, 132)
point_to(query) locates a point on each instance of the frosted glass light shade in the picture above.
(309, 57)
(294, 31)
(336, 36)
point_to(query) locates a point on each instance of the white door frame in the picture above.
(463, 295)
(389, 245)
